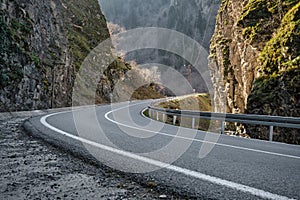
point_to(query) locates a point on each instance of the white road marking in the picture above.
(193, 139)
(187, 172)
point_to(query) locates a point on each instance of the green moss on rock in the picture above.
(254, 12)
(276, 91)
(260, 18)
(222, 44)
(11, 72)
(87, 28)
(267, 32)
(276, 94)
(284, 48)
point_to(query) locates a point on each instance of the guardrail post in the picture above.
(174, 120)
(164, 117)
(222, 127)
(157, 116)
(193, 123)
(150, 113)
(271, 133)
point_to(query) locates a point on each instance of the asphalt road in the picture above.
(184, 160)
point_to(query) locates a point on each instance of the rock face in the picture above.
(255, 61)
(42, 46)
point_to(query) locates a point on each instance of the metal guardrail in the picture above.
(271, 121)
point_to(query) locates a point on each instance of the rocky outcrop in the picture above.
(255, 61)
(42, 46)
(233, 59)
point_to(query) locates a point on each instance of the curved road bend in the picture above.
(120, 137)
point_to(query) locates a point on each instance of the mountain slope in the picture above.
(194, 18)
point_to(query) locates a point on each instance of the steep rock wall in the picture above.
(42, 46)
(255, 61)
(233, 59)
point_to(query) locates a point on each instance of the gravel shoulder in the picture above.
(33, 169)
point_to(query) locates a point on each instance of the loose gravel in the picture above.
(33, 169)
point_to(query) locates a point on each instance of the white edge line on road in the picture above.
(187, 172)
(193, 139)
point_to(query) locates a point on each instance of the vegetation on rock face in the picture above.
(264, 49)
(87, 28)
(276, 91)
(223, 45)
(281, 55)
(282, 52)
(225, 56)
(12, 74)
(260, 18)
(42, 47)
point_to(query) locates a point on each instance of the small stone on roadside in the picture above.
(163, 196)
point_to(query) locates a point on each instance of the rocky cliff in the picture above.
(42, 46)
(255, 61)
